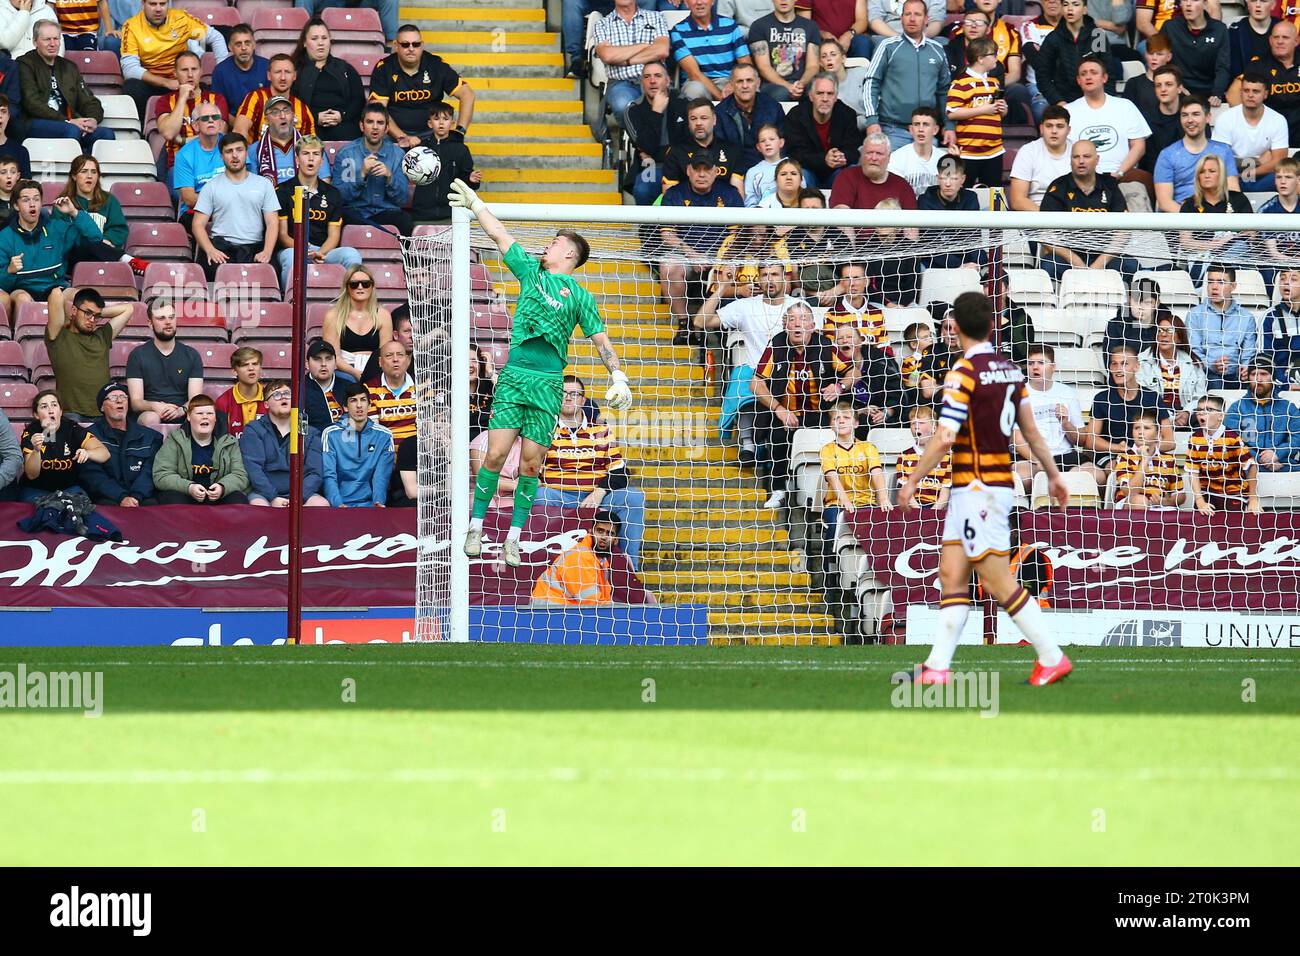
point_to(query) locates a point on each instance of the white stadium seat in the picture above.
(891, 442)
(1031, 287)
(806, 463)
(1080, 367)
(120, 116)
(1092, 288)
(944, 285)
(123, 158)
(52, 158)
(1055, 327)
(1279, 489)
(1084, 492)
(1176, 287)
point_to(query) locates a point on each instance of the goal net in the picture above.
(737, 329)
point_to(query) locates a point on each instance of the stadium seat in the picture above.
(215, 14)
(1279, 489)
(159, 240)
(101, 70)
(1175, 285)
(13, 363)
(316, 318)
(1229, 395)
(324, 281)
(489, 322)
(16, 399)
(137, 327)
(1052, 326)
(1016, 253)
(1251, 291)
(144, 201)
(390, 283)
(125, 159)
(1084, 492)
(253, 282)
(120, 116)
(5, 332)
(432, 229)
(18, 429)
(216, 361)
(374, 244)
(806, 463)
(1031, 287)
(198, 320)
(1259, 200)
(353, 25)
(1080, 367)
(176, 279)
(277, 359)
(214, 390)
(272, 24)
(944, 285)
(36, 357)
(247, 8)
(52, 158)
(117, 356)
(270, 322)
(112, 280)
(1092, 289)
(331, 149)
(891, 442)
(29, 321)
(363, 63)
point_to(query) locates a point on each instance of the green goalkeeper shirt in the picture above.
(547, 310)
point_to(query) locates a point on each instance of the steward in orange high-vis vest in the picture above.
(581, 574)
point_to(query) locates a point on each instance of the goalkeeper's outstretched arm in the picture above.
(619, 394)
(465, 197)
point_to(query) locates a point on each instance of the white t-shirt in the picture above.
(1044, 402)
(1251, 142)
(1036, 166)
(756, 320)
(1110, 127)
(920, 173)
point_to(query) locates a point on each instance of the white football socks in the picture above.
(514, 534)
(475, 524)
(952, 621)
(1030, 621)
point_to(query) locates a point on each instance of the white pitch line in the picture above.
(1112, 663)
(576, 775)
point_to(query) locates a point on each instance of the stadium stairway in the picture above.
(528, 136)
(708, 538)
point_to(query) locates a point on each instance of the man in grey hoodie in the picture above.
(907, 71)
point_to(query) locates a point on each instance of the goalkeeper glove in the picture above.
(463, 196)
(619, 394)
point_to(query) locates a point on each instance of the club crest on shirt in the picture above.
(426, 77)
(564, 293)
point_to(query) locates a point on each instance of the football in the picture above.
(421, 165)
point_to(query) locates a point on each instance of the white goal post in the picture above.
(697, 534)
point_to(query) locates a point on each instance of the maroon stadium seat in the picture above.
(272, 24)
(112, 280)
(363, 63)
(175, 279)
(145, 201)
(137, 327)
(5, 332)
(216, 361)
(117, 356)
(38, 360)
(247, 8)
(18, 428)
(198, 320)
(29, 321)
(13, 363)
(332, 147)
(214, 390)
(316, 319)
(489, 323)
(353, 25)
(277, 359)
(246, 283)
(324, 281)
(16, 399)
(214, 15)
(159, 240)
(272, 322)
(374, 244)
(99, 68)
(50, 191)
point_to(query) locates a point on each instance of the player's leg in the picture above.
(954, 606)
(995, 574)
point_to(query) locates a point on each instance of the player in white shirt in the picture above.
(1257, 135)
(918, 162)
(1113, 124)
(1039, 164)
(1057, 414)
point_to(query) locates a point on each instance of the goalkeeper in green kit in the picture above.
(550, 305)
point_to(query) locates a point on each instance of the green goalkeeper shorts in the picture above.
(529, 402)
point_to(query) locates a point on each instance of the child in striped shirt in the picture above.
(920, 338)
(934, 488)
(1144, 476)
(1220, 467)
(976, 104)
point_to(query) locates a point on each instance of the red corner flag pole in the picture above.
(297, 364)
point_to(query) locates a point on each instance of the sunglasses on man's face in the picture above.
(411, 45)
(360, 284)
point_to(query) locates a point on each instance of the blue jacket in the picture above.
(1273, 425)
(1282, 340)
(357, 466)
(267, 460)
(129, 469)
(44, 250)
(364, 196)
(1212, 333)
(733, 125)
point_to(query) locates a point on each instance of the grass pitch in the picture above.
(500, 754)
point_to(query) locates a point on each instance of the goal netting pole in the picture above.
(706, 549)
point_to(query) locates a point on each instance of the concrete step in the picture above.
(540, 65)
(529, 132)
(690, 472)
(406, 12)
(779, 640)
(521, 110)
(558, 179)
(655, 558)
(788, 601)
(551, 197)
(715, 536)
(508, 156)
(692, 454)
(741, 622)
(689, 498)
(524, 88)
(759, 519)
(483, 16)
(498, 39)
(750, 580)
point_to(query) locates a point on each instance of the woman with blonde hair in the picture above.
(356, 324)
(1210, 194)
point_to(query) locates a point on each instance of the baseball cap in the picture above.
(320, 347)
(704, 157)
(1145, 289)
(108, 390)
(276, 101)
(1264, 362)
